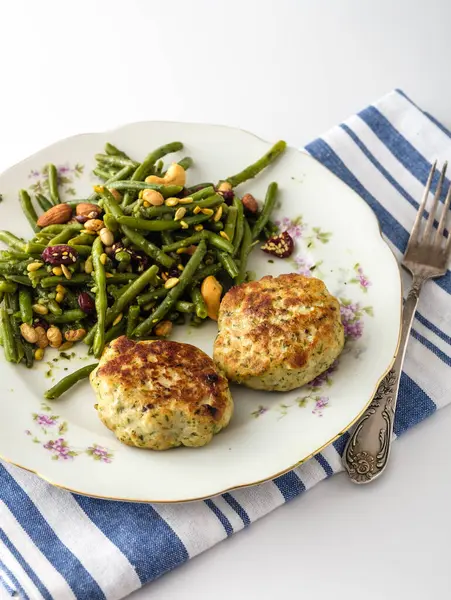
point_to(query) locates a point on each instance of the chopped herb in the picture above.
(65, 355)
(271, 261)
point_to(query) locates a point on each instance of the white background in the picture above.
(283, 69)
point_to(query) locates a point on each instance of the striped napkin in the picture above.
(54, 544)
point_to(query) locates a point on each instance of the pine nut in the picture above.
(57, 271)
(179, 213)
(39, 354)
(40, 309)
(34, 266)
(67, 274)
(171, 282)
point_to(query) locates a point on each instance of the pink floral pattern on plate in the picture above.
(66, 176)
(59, 448)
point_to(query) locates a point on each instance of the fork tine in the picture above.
(416, 225)
(438, 192)
(442, 223)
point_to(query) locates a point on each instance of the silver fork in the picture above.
(367, 451)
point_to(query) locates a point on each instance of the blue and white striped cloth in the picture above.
(54, 544)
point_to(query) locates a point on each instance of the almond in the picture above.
(85, 209)
(57, 215)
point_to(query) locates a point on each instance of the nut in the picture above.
(73, 335)
(86, 303)
(65, 346)
(171, 282)
(211, 291)
(187, 200)
(106, 236)
(40, 309)
(184, 225)
(224, 186)
(163, 329)
(175, 175)
(153, 197)
(60, 255)
(57, 215)
(118, 319)
(198, 227)
(224, 235)
(39, 354)
(42, 341)
(218, 214)
(250, 203)
(197, 210)
(103, 258)
(60, 288)
(67, 274)
(59, 297)
(57, 271)
(280, 245)
(54, 336)
(34, 266)
(85, 209)
(88, 265)
(207, 211)
(28, 333)
(179, 213)
(116, 194)
(171, 201)
(94, 225)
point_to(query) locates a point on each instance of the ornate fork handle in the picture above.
(366, 453)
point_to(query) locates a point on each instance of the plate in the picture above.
(337, 239)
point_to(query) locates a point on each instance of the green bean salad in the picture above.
(144, 252)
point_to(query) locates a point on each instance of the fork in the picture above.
(367, 450)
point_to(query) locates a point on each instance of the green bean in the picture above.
(268, 207)
(121, 278)
(152, 295)
(199, 304)
(246, 248)
(54, 307)
(113, 151)
(197, 188)
(110, 222)
(215, 226)
(29, 351)
(116, 161)
(203, 193)
(132, 319)
(53, 229)
(252, 170)
(160, 225)
(7, 334)
(229, 264)
(167, 191)
(167, 238)
(207, 202)
(120, 175)
(75, 203)
(43, 202)
(67, 382)
(8, 287)
(101, 301)
(204, 272)
(101, 173)
(156, 211)
(70, 299)
(185, 242)
(130, 294)
(186, 162)
(145, 168)
(52, 174)
(21, 279)
(84, 239)
(183, 306)
(33, 248)
(10, 267)
(159, 168)
(12, 241)
(25, 302)
(239, 227)
(219, 242)
(115, 331)
(65, 234)
(28, 209)
(7, 255)
(69, 316)
(174, 293)
(54, 280)
(229, 227)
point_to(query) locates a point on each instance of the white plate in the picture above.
(270, 433)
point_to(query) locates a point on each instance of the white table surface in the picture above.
(282, 69)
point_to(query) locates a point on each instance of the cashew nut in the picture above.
(211, 291)
(175, 175)
(29, 333)
(73, 335)
(42, 341)
(163, 329)
(94, 225)
(54, 336)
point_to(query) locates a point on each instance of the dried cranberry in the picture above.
(82, 218)
(41, 323)
(228, 196)
(280, 245)
(60, 255)
(173, 272)
(86, 303)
